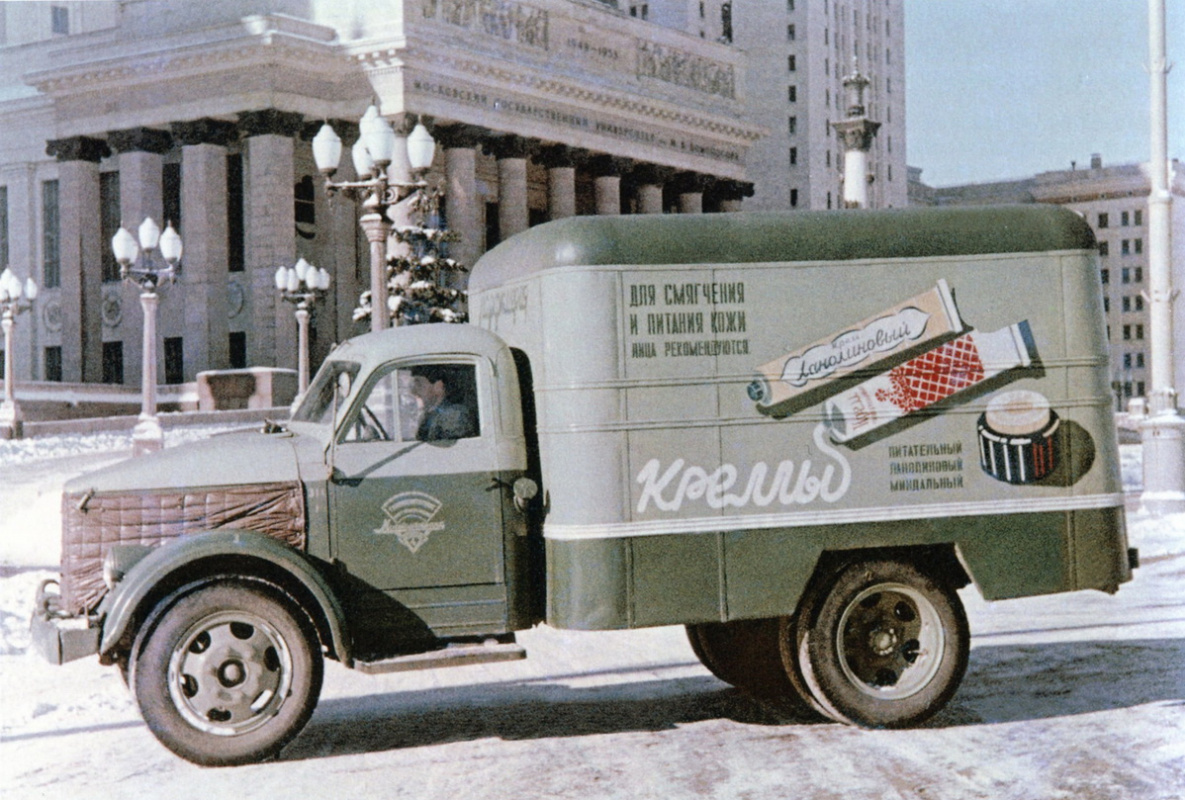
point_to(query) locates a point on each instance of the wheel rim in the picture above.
(230, 673)
(890, 641)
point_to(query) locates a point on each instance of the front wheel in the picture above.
(228, 675)
(883, 644)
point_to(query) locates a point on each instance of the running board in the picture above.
(451, 656)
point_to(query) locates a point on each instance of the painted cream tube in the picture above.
(925, 318)
(926, 379)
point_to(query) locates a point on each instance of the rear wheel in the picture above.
(881, 645)
(228, 675)
(745, 654)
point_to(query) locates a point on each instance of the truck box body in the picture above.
(721, 398)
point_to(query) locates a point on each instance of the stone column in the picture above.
(649, 180)
(269, 210)
(462, 202)
(204, 268)
(141, 195)
(512, 153)
(560, 161)
(79, 247)
(607, 172)
(731, 194)
(691, 187)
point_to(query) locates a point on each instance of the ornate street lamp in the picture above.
(303, 285)
(15, 298)
(141, 263)
(372, 155)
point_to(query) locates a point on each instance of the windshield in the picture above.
(331, 387)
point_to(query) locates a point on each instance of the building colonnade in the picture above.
(235, 191)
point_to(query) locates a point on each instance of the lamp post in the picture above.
(303, 285)
(15, 298)
(140, 263)
(1162, 433)
(372, 155)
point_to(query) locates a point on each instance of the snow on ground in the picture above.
(1078, 696)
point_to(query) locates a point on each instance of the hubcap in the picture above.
(230, 673)
(890, 641)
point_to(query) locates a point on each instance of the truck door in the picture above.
(413, 499)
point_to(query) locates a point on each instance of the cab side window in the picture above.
(428, 402)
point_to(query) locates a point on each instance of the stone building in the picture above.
(1114, 200)
(201, 114)
(797, 55)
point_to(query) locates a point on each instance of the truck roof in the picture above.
(755, 237)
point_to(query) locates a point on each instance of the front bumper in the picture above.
(61, 637)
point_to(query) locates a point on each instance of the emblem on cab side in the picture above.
(409, 517)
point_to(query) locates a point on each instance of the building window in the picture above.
(1139, 214)
(112, 362)
(1140, 388)
(238, 350)
(1138, 244)
(1139, 275)
(794, 198)
(109, 218)
(53, 363)
(1127, 333)
(1104, 248)
(3, 226)
(726, 23)
(793, 126)
(640, 10)
(790, 35)
(171, 194)
(1125, 247)
(792, 94)
(829, 200)
(236, 245)
(1103, 220)
(1139, 331)
(1124, 219)
(829, 158)
(1140, 361)
(1127, 360)
(1127, 303)
(1105, 274)
(791, 64)
(793, 156)
(493, 231)
(790, 5)
(174, 360)
(1127, 275)
(1139, 304)
(1106, 305)
(51, 254)
(60, 20)
(305, 207)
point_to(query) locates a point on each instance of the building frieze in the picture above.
(544, 88)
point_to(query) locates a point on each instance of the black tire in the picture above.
(882, 645)
(227, 675)
(745, 654)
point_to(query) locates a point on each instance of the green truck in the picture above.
(796, 434)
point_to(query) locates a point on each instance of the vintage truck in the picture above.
(796, 434)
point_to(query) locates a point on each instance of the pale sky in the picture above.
(1005, 89)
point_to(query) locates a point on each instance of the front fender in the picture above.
(166, 563)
